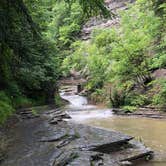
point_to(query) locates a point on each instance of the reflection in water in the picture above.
(151, 131)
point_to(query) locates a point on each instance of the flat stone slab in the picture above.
(55, 137)
(94, 146)
(96, 139)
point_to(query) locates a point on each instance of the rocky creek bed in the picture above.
(45, 139)
(147, 111)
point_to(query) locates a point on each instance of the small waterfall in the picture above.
(79, 109)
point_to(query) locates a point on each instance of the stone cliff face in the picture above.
(96, 22)
(118, 4)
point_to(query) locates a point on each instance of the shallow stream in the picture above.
(150, 131)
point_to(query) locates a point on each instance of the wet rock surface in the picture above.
(36, 142)
(147, 111)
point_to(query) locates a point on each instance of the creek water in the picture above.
(152, 132)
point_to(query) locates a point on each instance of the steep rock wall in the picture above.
(97, 22)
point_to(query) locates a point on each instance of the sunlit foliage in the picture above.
(123, 57)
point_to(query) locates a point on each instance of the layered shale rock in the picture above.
(37, 142)
(97, 22)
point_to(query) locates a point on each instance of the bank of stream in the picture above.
(148, 130)
(55, 137)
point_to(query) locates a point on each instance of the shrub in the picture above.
(22, 102)
(99, 96)
(117, 97)
(6, 108)
(136, 99)
(129, 109)
(58, 101)
(159, 98)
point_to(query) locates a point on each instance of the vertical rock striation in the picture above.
(98, 22)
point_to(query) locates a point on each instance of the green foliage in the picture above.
(136, 99)
(159, 60)
(92, 7)
(22, 102)
(123, 56)
(34, 38)
(29, 62)
(34, 112)
(61, 22)
(159, 98)
(131, 53)
(69, 26)
(98, 96)
(90, 62)
(118, 94)
(58, 101)
(4, 97)
(129, 109)
(137, 32)
(6, 108)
